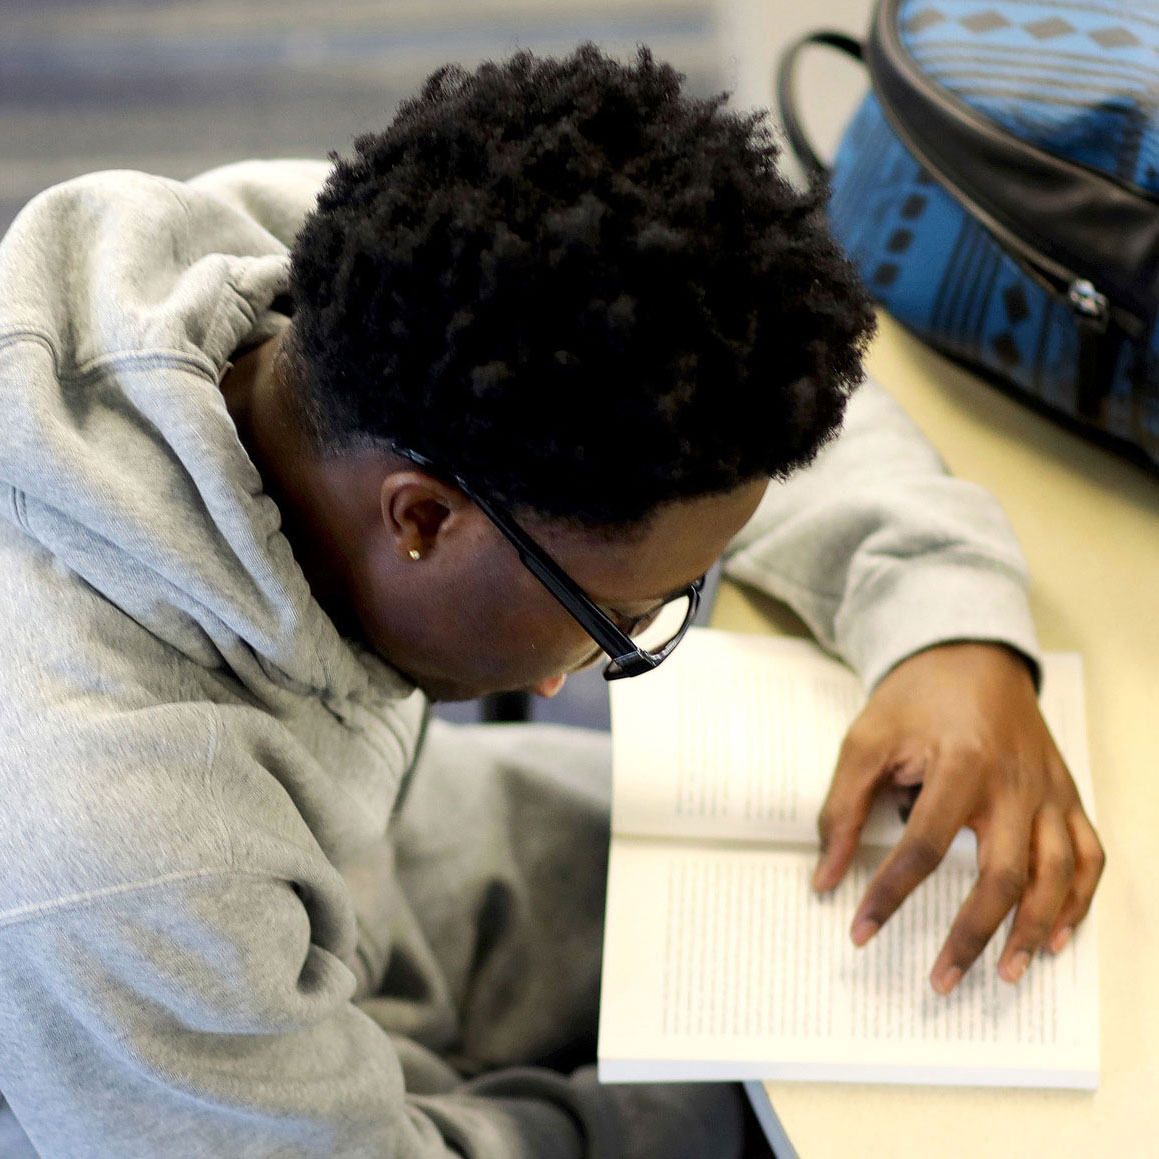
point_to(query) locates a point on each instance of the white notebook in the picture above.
(720, 963)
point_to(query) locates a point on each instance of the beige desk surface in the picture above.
(1090, 527)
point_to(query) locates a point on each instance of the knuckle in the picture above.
(971, 751)
(860, 737)
(918, 856)
(1033, 929)
(827, 818)
(966, 753)
(856, 764)
(827, 821)
(1007, 883)
(968, 944)
(1058, 866)
(1082, 911)
(1090, 856)
(852, 746)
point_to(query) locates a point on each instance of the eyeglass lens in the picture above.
(660, 626)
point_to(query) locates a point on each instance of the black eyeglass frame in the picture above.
(626, 658)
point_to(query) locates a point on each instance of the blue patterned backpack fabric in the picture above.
(999, 192)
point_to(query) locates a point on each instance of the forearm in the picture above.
(883, 553)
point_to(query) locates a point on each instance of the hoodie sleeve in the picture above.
(194, 1019)
(276, 194)
(881, 552)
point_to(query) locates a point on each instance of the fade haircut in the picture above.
(582, 290)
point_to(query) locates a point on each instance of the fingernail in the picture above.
(944, 982)
(1060, 939)
(1016, 967)
(863, 930)
(820, 875)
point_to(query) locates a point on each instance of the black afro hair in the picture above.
(580, 289)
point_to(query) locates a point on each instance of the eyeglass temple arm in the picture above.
(618, 645)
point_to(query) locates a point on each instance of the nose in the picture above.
(548, 688)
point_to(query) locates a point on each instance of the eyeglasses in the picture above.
(628, 656)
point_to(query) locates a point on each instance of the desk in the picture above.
(1090, 527)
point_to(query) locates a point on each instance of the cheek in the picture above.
(544, 641)
(515, 625)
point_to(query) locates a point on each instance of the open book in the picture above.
(719, 960)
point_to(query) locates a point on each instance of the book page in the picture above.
(737, 736)
(721, 963)
(733, 736)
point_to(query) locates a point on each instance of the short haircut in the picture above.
(584, 291)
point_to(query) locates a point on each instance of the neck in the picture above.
(322, 499)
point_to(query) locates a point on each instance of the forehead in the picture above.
(679, 542)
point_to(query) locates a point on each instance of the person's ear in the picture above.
(418, 511)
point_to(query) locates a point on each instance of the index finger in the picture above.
(939, 812)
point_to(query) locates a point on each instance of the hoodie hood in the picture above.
(124, 297)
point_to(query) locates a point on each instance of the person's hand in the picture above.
(962, 721)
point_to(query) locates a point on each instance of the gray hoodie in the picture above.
(205, 949)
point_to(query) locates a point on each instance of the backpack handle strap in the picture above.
(786, 89)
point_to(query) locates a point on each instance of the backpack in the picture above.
(998, 190)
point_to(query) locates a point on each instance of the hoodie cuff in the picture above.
(916, 606)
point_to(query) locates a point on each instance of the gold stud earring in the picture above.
(415, 554)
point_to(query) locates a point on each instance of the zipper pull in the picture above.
(1089, 304)
(1098, 349)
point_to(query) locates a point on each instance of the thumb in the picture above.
(860, 768)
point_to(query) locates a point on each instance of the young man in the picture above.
(260, 506)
